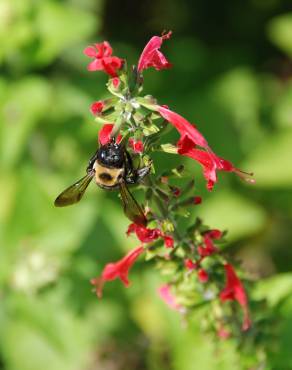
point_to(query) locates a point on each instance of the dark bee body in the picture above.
(112, 168)
(109, 165)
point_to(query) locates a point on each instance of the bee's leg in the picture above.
(91, 163)
(129, 166)
(142, 172)
(138, 175)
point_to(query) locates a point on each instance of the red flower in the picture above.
(190, 138)
(234, 291)
(104, 135)
(151, 55)
(188, 132)
(97, 107)
(166, 295)
(137, 146)
(103, 59)
(175, 191)
(223, 333)
(208, 248)
(168, 241)
(116, 82)
(190, 265)
(146, 235)
(197, 200)
(119, 269)
(203, 276)
(214, 234)
(210, 163)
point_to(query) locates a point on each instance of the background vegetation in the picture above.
(232, 76)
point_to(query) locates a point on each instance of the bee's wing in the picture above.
(74, 193)
(131, 208)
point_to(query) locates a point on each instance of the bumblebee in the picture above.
(112, 168)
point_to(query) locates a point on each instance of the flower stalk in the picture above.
(187, 254)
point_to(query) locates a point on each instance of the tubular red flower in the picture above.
(234, 291)
(166, 295)
(223, 333)
(197, 200)
(119, 269)
(103, 59)
(190, 265)
(137, 146)
(97, 107)
(214, 234)
(151, 55)
(203, 276)
(212, 163)
(104, 135)
(208, 248)
(168, 241)
(190, 137)
(144, 234)
(184, 127)
(116, 82)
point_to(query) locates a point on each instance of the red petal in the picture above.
(203, 276)
(234, 290)
(116, 82)
(183, 126)
(106, 49)
(208, 164)
(137, 146)
(96, 65)
(151, 56)
(105, 132)
(184, 145)
(90, 51)
(214, 234)
(97, 107)
(111, 65)
(166, 295)
(146, 235)
(197, 200)
(190, 265)
(168, 241)
(119, 269)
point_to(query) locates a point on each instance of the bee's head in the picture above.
(111, 155)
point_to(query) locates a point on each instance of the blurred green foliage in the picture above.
(232, 76)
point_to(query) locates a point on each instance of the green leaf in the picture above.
(280, 32)
(60, 26)
(283, 109)
(227, 210)
(275, 288)
(271, 161)
(27, 101)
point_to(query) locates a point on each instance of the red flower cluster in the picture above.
(146, 235)
(116, 270)
(208, 248)
(103, 59)
(191, 144)
(205, 250)
(234, 291)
